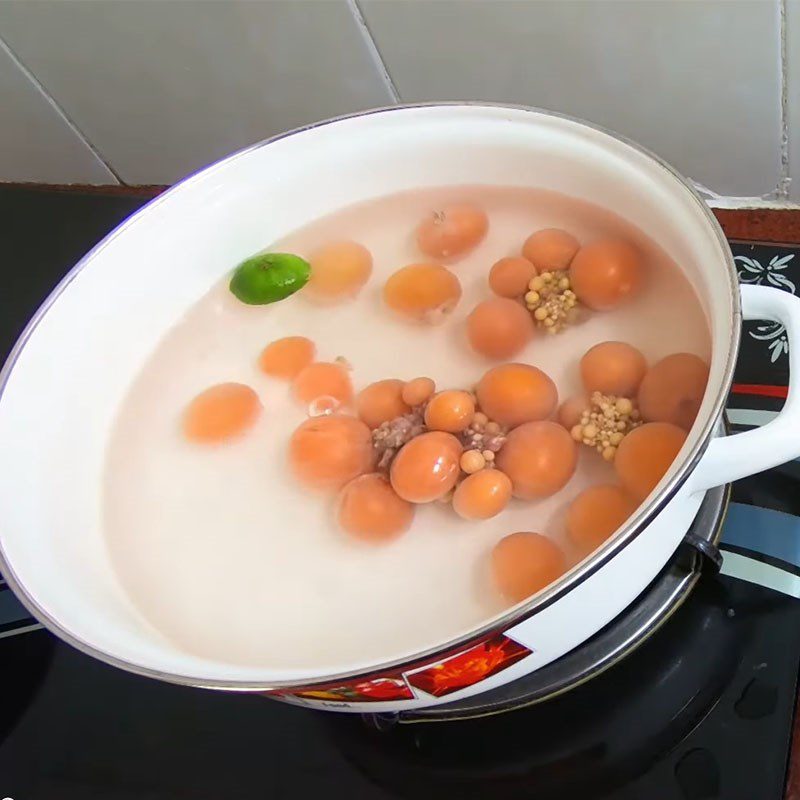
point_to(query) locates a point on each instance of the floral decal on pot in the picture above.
(467, 668)
(771, 273)
(375, 691)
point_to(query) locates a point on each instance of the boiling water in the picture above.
(229, 558)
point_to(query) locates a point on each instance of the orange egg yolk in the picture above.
(284, 358)
(482, 495)
(418, 391)
(673, 389)
(550, 249)
(221, 412)
(450, 411)
(524, 563)
(499, 328)
(572, 409)
(323, 379)
(509, 277)
(422, 292)
(452, 232)
(511, 394)
(338, 270)
(645, 454)
(371, 510)
(613, 368)
(539, 457)
(327, 452)
(606, 273)
(596, 513)
(381, 401)
(427, 467)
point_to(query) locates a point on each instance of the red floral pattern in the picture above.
(469, 667)
(375, 691)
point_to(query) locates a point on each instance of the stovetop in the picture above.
(703, 709)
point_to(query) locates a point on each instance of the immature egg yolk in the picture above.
(673, 389)
(327, 452)
(606, 273)
(423, 292)
(323, 379)
(452, 232)
(524, 563)
(645, 454)
(450, 411)
(511, 394)
(370, 509)
(499, 327)
(427, 467)
(539, 457)
(338, 270)
(596, 513)
(482, 495)
(572, 409)
(221, 412)
(550, 249)
(509, 277)
(284, 358)
(381, 401)
(417, 391)
(613, 368)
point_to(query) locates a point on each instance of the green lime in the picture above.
(269, 277)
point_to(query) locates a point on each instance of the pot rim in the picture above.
(515, 614)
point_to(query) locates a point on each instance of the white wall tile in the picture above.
(793, 94)
(163, 88)
(698, 82)
(36, 143)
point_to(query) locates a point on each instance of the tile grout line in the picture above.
(785, 179)
(372, 46)
(37, 84)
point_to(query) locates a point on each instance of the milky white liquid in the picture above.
(228, 557)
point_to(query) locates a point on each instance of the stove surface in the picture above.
(703, 709)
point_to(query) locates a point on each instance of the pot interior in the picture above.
(65, 382)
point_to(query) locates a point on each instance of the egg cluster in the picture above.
(397, 444)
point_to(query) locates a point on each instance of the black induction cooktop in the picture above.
(703, 709)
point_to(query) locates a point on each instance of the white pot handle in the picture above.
(729, 458)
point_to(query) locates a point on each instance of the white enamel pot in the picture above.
(100, 323)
